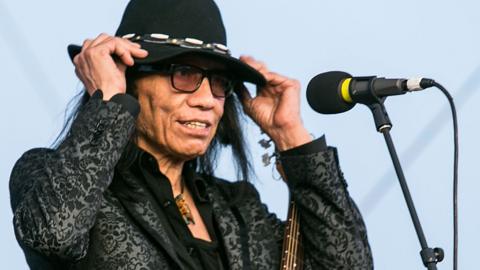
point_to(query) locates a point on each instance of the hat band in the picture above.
(190, 43)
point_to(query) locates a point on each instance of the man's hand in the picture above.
(102, 63)
(276, 108)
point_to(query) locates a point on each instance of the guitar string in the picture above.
(295, 239)
(292, 238)
(289, 238)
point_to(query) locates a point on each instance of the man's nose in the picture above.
(203, 97)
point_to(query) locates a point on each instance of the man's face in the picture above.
(174, 124)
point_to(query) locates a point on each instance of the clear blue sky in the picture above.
(437, 39)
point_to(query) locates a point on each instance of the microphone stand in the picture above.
(430, 256)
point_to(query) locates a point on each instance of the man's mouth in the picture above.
(195, 124)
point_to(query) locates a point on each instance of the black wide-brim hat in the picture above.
(172, 28)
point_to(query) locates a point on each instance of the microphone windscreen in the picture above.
(324, 94)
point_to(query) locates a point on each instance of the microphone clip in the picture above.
(380, 115)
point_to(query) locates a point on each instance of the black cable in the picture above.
(373, 198)
(455, 173)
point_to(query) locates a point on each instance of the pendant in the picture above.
(184, 209)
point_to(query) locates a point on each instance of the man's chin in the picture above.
(192, 153)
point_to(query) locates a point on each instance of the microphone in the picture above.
(336, 91)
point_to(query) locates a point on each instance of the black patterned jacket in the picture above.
(69, 215)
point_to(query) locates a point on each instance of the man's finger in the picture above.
(258, 65)
(127, 52)
(124, 55)
(86, 44)
(275, 79)
(139, 52)
(100, 39)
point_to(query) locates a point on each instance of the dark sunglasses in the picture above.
(188, 78)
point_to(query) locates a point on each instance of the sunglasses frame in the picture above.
(170, 69)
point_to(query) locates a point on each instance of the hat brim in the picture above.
(158, 53)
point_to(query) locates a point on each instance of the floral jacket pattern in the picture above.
(73, 209)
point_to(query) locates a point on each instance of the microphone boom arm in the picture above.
(430, 256)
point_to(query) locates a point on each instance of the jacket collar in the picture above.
(138, 202)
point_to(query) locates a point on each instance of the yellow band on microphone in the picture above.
(345, 90)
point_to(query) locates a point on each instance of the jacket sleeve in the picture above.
(331, 225)
(55, 194)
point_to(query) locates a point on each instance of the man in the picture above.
(132, 185)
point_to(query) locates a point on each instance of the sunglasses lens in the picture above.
(221, 85)
(186, 78)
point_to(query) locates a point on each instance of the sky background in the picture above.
(436, 39)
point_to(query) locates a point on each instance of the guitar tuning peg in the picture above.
(266, 159)
(265, 143)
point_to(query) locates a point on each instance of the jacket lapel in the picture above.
(148, 215)
(229, 228)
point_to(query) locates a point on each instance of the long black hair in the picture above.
(229, 134)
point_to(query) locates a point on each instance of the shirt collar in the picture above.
(194, 181)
